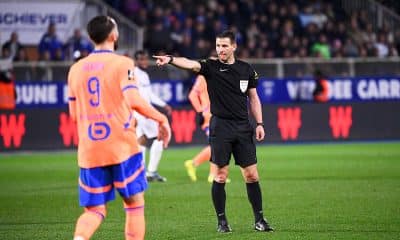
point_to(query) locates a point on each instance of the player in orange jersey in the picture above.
(200, 101)
(102, 96)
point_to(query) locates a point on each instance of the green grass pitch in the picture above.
(322, 191)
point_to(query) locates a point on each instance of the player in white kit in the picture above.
(147, 129)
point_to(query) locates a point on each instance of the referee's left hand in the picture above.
(161, 60)
(260, 134)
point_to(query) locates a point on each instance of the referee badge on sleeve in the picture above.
(243, 85)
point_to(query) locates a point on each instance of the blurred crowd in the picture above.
(394, 5)
(50, 47)
(264, 29)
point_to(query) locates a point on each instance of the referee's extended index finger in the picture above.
(157, 56)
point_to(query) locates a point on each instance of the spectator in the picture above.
(322, 48)
(202, 49)
(77, 46)
(13, 46)
(252, 31)
(381, 46)
(131, 7)
(393, 51)
(21, 56)
(7, 88)
(350, 48)
(158, 39)
(368, 35)
(141, 18)
(355, 31)
(337, 49)
(50, 47)
(187, 48)
(176, 34)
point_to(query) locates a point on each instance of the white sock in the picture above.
(156, 150)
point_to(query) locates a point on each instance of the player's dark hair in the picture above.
(228, 34)
(99, 28)
(139, 53)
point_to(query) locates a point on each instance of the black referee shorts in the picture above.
(232, 137)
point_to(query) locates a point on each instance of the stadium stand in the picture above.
(265, 28)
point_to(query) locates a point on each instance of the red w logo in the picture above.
(289, 122)
(183, 125)
(68, 130)
(340, 120)
(12, 129)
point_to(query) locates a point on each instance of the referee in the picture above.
(231, 84)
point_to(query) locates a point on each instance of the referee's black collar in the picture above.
(227, 63)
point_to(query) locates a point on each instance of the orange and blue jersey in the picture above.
(104, 119)
(108, 152)
(200, 100)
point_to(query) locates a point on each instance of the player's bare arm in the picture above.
(255, 109)
(195, 100)
(180, 62)
(136, 102)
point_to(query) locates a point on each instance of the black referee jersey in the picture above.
(227, 86)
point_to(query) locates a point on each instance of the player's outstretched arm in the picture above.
(137, 103)
(180, 62)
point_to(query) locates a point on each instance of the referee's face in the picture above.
(225, 49)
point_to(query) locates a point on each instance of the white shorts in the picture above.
(146, 127)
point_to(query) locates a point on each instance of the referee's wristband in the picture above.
(171, 58)
(259, 124)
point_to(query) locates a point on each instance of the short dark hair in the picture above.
(228, 34)
(99, 28)
(139, 53)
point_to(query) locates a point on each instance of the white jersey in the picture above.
(145, 90)
(146, 126)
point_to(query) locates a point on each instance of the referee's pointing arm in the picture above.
(180, 62)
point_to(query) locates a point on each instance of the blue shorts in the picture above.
(96, 185)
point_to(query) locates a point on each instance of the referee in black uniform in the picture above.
(231, 84)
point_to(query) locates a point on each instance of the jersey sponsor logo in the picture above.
(223, 69)
(289, 122)
(12, 129)
(340, 121)
(243, 85)
(99, 131)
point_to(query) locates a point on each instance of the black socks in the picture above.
(255, 198)
(219, 198)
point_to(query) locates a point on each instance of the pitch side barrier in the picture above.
(288, 90)
(53, 129)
